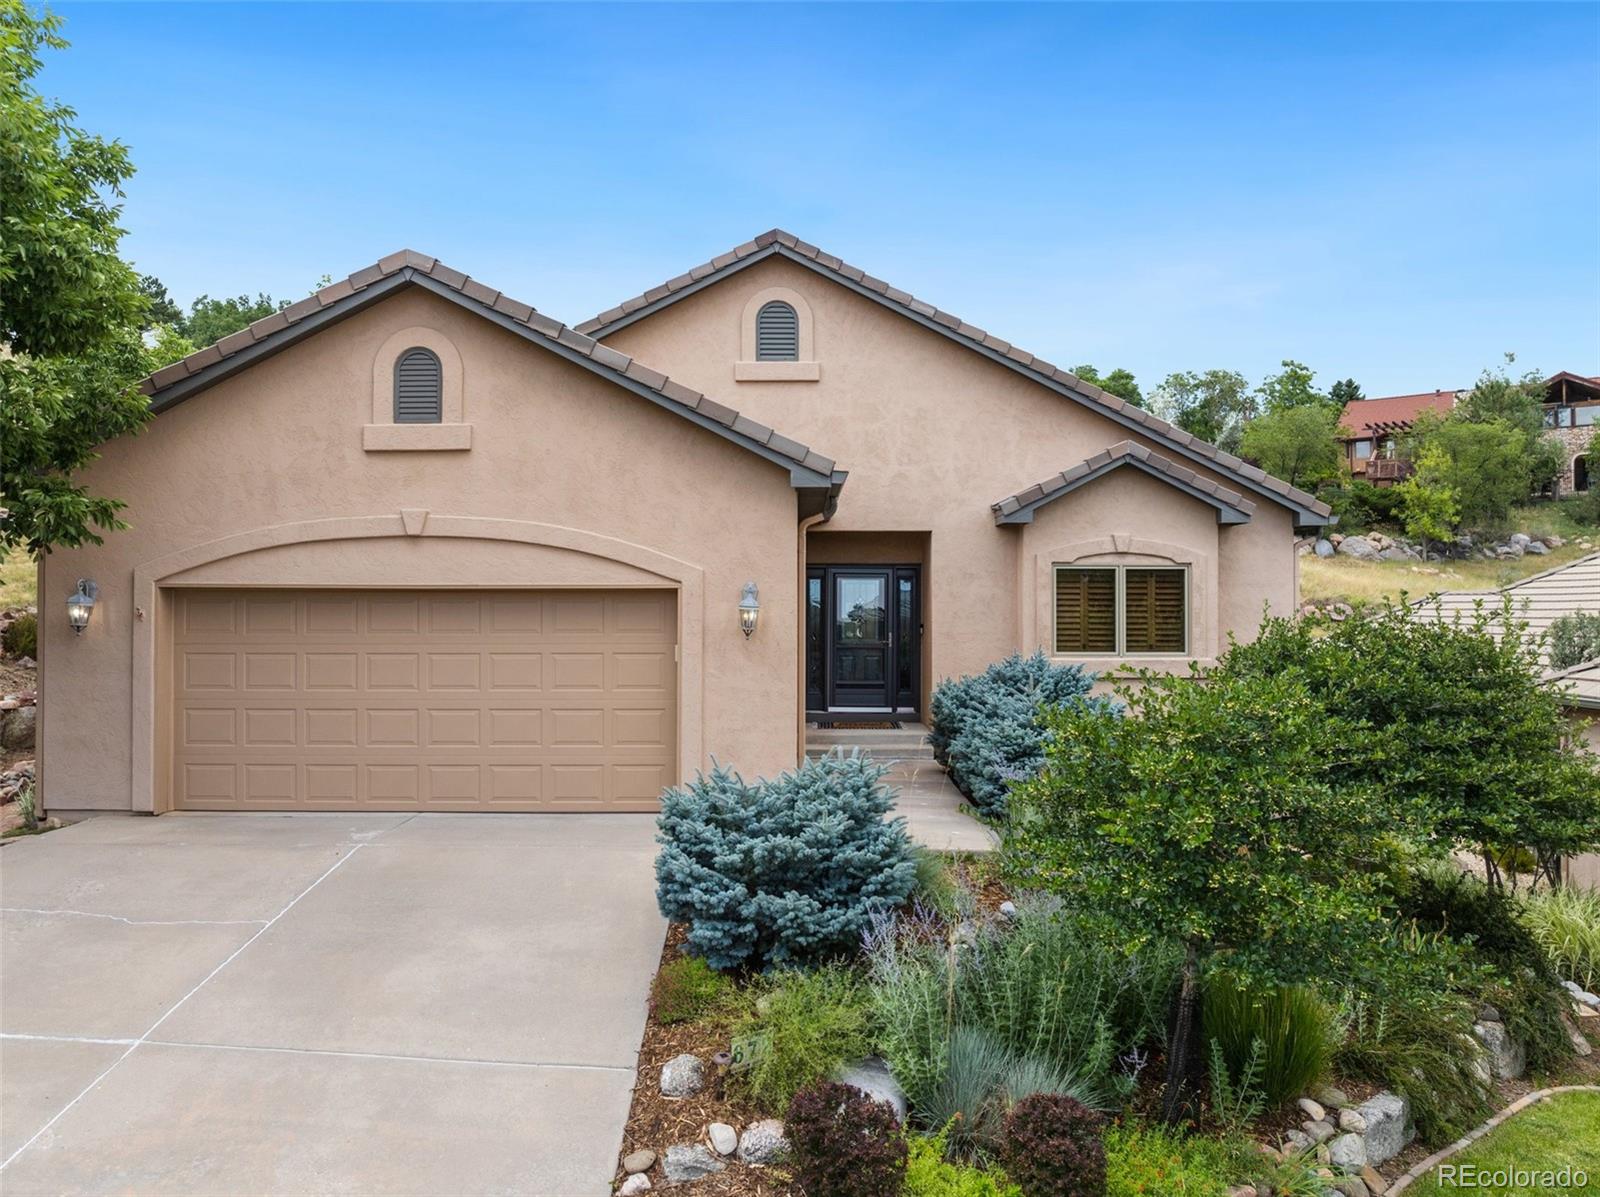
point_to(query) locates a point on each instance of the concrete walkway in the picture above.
(932, 807)
(277, 1004)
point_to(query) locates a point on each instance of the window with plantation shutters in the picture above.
(418, 388)
(777, 333)
(1153, 602)
(1086, 610)
(1121, 609)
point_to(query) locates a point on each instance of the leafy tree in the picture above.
(209, 320)
(1119, 382)
(1517, 402)
(1449, 727)
(1296, 444)
(1486, 463)
(1211, 817)
(1214, 406)
(71, 310)
(1428, 506)
(1345, 391)
(161, 309)
(1290, 389)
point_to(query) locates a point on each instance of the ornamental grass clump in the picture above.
(985, 730)
(845, 1144)
(1566, 924)
(781, 871)
(1282, 1037)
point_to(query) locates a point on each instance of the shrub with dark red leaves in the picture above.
(1052, 1147)
(845, 1144)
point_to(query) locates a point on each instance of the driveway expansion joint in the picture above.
(117, 918)
(172, 1009)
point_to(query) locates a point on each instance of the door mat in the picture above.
(870, 725)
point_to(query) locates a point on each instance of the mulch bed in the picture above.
(658, 1122)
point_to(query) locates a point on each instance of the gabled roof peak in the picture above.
(1309, 511)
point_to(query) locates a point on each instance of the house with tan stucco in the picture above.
(412, 544)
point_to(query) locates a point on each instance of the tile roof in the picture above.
(776, 242)
(1581, 684)
(1393, 413)
(1539, 600)
(1232, 507)
(177, 382)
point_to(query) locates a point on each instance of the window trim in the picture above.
(1120, 609)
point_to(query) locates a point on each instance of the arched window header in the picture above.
(775, 339)
(418, 387)
(777, 332)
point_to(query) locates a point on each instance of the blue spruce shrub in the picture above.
(985, 730)
(786, 871)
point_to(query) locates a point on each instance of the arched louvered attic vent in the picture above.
(777, 333)
(418, 388)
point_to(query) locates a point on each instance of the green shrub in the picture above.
(1411, 1031)
(1521, 983)
(844, 1144)
(1360, 505)
(1574, 639)
(1147, 1160)
(21, 638)
(1566, 924)
(930, 1174)
(781, 871)
(1293, 1026)
(984, 727)
(1053, 1147)
(686, 989)
(810, 1023)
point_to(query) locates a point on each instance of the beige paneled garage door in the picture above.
(423, 700)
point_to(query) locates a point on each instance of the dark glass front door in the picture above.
(863, 637)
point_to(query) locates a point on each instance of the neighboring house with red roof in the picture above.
(1370, 429)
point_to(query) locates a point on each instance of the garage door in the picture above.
(423, 700)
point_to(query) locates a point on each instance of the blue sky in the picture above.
(1398, 193)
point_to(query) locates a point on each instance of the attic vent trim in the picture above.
(777, 332)
(418, 387)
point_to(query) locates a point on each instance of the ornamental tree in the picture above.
(1210, 817)
(71, 310)
(1448, 725)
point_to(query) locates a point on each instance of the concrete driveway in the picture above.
(277, 1004)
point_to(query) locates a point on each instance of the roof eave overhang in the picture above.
(1227, 513)
(801, 477)
(1304, 517)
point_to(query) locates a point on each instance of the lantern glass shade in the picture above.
(80, 604)
(749, 609)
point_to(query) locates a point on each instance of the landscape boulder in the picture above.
(1507, 1059)
(1388, 1119)
(1358, 547)
(689, 1161)
(682, 1076)
(872, 1077)
(763, 1142)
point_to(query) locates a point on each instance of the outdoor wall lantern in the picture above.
(80, 604)
(749, 610)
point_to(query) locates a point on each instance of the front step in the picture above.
(906, 743)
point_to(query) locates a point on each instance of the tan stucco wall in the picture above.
(932, 433)
(570, 481)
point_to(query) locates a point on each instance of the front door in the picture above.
(863, 637)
